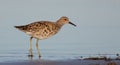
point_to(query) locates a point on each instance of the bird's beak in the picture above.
(72, 23)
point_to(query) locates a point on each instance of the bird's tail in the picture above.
(20, 27)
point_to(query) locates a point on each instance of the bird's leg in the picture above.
(38, 48)
(30, 50)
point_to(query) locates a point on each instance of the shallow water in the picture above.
(21, 55)
(53, 52)
(49, 52)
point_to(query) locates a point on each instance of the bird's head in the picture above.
(65, 20)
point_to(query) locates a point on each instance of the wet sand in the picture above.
(63, 62)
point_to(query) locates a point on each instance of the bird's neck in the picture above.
(59, 23)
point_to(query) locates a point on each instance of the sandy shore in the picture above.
(63, 62)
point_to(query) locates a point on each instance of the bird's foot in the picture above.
(30, 55)
(39, 56)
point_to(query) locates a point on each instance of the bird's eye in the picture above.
(65, 19)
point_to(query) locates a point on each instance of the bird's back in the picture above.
(40, 29)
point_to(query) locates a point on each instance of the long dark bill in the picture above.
(72, 23)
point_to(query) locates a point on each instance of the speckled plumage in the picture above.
(40, 29)
(43, 29)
